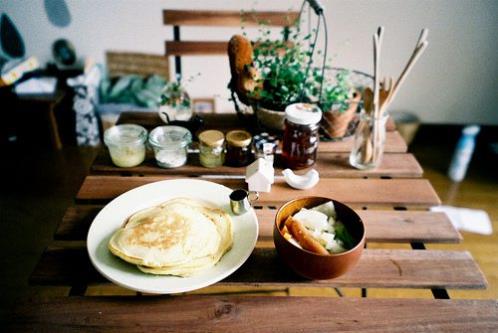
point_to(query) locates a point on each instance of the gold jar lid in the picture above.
(239, 138)
(212, 138)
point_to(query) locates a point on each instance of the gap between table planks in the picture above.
(396, 192)
(240, 314)
(381, 226)
(329, 165)
(68, 265)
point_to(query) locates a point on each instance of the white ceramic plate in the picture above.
(112, 216)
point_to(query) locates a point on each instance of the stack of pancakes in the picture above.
(178, 237)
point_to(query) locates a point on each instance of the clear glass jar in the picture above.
(300, 141)
(211, 148)
(369, 141)
(238, 148)
(170, 145)
(126, 144)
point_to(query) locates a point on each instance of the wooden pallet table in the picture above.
(392, 201)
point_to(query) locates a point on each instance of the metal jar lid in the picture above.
(303, 113)
(264, 139)
(170, 137)
(239, 138)
(125, 134)
(212, 138)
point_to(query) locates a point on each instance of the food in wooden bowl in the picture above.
(319, 238)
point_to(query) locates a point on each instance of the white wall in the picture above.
(456, 81)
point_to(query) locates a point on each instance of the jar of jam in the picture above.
(211, 148)
(300, 141)
(238, 148)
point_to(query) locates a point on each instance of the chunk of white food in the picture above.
(326, 208)
(331, 221)
(337, 246)
(313, 220)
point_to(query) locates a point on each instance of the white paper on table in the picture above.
(40, 85)
(466, 219)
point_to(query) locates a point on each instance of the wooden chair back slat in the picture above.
(195, 48)
(228, 18)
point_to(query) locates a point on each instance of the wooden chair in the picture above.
(210, 18)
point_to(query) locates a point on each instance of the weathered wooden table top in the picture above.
(393, 201)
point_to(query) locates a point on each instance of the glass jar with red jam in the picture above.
(300, 141)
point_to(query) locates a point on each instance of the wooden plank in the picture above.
(409, 226)
(394, 144)
(397, 192)
(376, 269)
(381, 226)
(330, 165)
(193, 48)
(213, 120)
(229, 18)
(150, 120)
(76, 222)
(197, 313)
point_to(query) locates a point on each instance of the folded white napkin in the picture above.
(471, 220)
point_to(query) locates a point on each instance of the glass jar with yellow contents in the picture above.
(126, 144)
(211, 148)
(238, 148)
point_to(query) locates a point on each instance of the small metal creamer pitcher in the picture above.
(241, 200)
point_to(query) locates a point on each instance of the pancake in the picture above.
(178, 237)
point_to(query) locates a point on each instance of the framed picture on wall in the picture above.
(204, 105)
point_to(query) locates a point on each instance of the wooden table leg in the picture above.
(54, 129)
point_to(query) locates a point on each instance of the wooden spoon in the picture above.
(368, 100)
(385, 94)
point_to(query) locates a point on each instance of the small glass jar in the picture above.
(265, 146)
(238, 148)
(170, 145)
(300, 141)
(369, 140)
(126, 144)
(211, 148)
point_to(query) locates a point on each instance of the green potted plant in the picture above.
(339, 102)
(175, 102)
(269, 75)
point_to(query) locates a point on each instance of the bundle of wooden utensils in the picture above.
(376, 102)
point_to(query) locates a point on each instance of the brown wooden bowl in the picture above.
(312, 265)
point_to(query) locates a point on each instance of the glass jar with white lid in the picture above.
(170, 145)
(126, 144)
